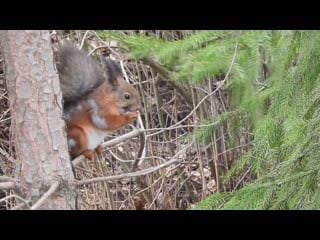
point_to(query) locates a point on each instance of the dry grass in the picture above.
(7, 161)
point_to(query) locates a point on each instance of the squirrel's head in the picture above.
(125, 95)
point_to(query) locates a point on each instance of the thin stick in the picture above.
(9, 158)
(18, 206)
(7, 179)
(135, 174)
(106, 45)
(95, 49)
(45, 196)
(143, 140)
(8, 185)
(17, 197)
(83, 39)
(241, 179)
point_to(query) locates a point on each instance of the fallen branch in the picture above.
(17, 197)
(9, 185)
(137, 173)
(9, 158)
(241, 179)
(20, 205)
(45, 196)
(7, 179)
(142, 149)
(140, 152)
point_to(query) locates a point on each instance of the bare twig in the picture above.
(17, 197)
(141, 152)
(8, 185)
(177, 127)
(45, 196)
(95, 49)
(121, 138)
(143, 139)
(18, 206)
(241, 179)
(120, 159)
(157, 194)
(84, 38)
(106, 45)
(9, 158)
(7, 179)
(174, 159)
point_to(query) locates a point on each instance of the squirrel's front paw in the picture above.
(99, 149)
(89, 154)
(131, 116)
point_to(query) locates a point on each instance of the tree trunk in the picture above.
(35, 101)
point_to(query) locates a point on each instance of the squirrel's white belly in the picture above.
(95, 137)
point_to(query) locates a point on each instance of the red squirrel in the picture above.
(96, 100)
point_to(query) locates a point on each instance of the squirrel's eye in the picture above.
(127, 96)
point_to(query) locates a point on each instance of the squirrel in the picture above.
(96, 100)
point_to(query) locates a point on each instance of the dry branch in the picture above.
(8, 185)
(45, 196)
(7, 179)
(25, 202)
(174, 159)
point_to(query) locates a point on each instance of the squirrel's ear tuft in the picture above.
(112, 70)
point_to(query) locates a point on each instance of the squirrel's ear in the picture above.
(112, 70)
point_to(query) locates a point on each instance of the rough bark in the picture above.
(38, 127)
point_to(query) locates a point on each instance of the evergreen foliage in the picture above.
(275, 87)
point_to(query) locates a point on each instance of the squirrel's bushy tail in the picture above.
(79, 74)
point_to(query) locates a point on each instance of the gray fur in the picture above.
(71, 143)
(71, 109)
(79, 74)
(112, 69)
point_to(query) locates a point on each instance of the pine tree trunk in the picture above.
(42, 158)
